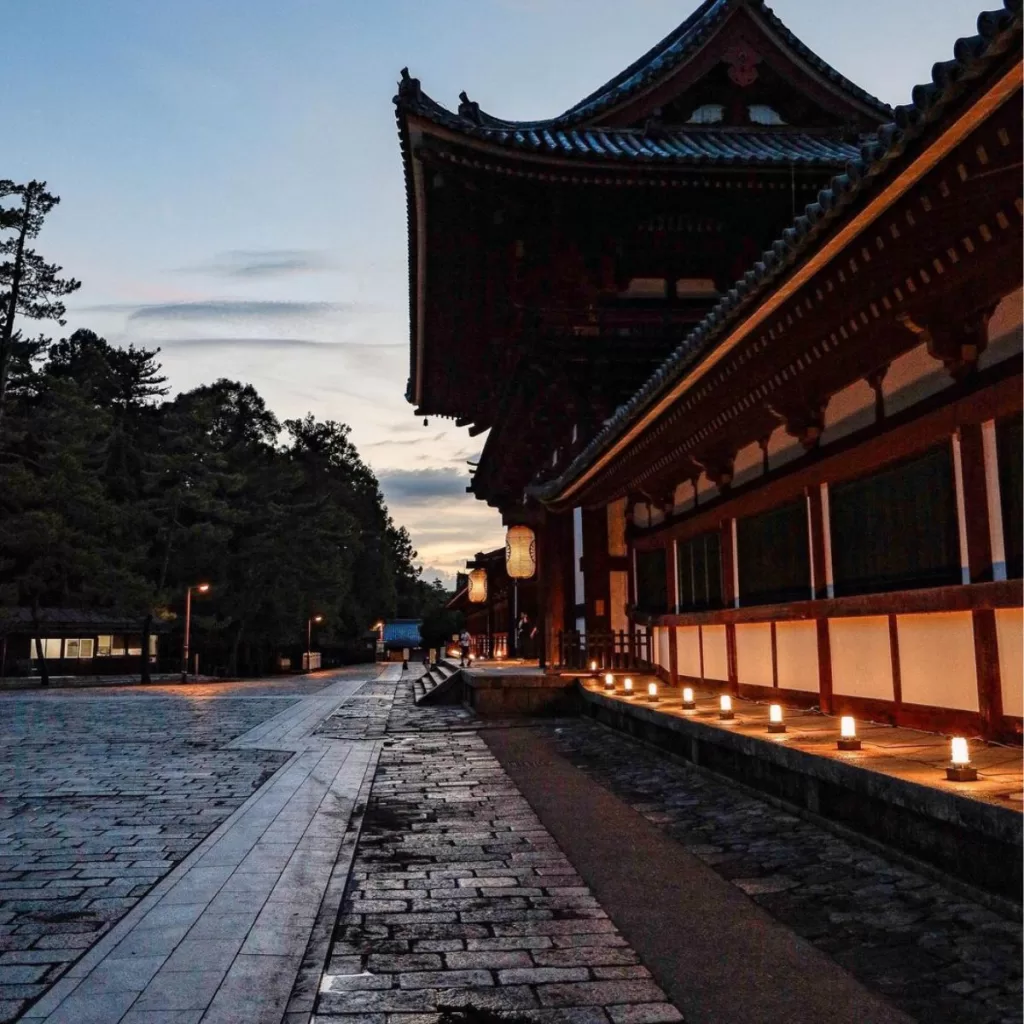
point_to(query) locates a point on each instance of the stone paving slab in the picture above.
(458, 896)
(928, 948)
(100, 797)
(250, 892)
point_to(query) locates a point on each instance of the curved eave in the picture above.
(822, 231)
(663, 59)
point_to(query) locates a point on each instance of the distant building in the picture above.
(74, 641)
(398, 635)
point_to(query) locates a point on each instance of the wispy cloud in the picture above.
(237, 309)
(410, 441)
(421, 486)
(261, 263)
(357, 347)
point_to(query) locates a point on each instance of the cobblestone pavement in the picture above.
(458, 896)
(938, 956)
(102, 792)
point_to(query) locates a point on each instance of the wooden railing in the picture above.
(611, 651)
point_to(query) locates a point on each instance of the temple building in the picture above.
(746, 342)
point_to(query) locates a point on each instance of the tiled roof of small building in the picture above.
(63, 620)
(998, 32)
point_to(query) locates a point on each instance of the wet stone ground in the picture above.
(458, 896)
(935, 954)
(101, 794)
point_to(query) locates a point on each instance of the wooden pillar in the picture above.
(596, 583)
(824, 667)
(816, 523)
(976, 511)
(554, 583)
(986, 659)
(673, 657)
(730, 597)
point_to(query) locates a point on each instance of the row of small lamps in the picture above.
(959, 769)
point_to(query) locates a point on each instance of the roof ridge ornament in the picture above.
(468, 110)
(409, 87)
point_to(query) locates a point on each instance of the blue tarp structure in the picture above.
(402, 633)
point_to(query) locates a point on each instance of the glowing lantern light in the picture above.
(520, 552)
(688, 702)
(775, 722)
(652, 692)
(478, 586)
(725, 707)
(960, 768)
(609, 681)
(627, 685)
(593, 668)
(848, 734)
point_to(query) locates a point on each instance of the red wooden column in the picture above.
(554, 559)
(979, 562)
(729, 596)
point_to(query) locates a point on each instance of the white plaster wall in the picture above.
(661, 642)
(1010, 639)
(617, 528)
(796, 656)
(1004, 330)
(688, 651)
(861, 657)
(937, 664)
(618, 584)
(749, 464)
(782, 448)
(706, 490)
(914, 376)
(754, 654)
(654, 515)
(641, 515)
(683, 498)
(848, 410)
(716, 654)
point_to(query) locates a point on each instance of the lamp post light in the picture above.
(309, 639)
(202, 588)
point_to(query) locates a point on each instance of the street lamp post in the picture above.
(309, 639)
(202, 588)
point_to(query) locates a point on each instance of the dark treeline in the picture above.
(115, 496)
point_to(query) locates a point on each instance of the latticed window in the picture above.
(651, 588)
(774, 556)
(896, 529)
(699, 563)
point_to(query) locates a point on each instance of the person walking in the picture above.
(464, 644)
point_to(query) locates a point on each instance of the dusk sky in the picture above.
(232, 186)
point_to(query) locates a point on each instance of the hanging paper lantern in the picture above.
(478, 586)
(520, 552)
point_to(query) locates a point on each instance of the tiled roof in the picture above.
(689, 36)
(96, 620)
(998, 32)
(709, 146)
(674, 49)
